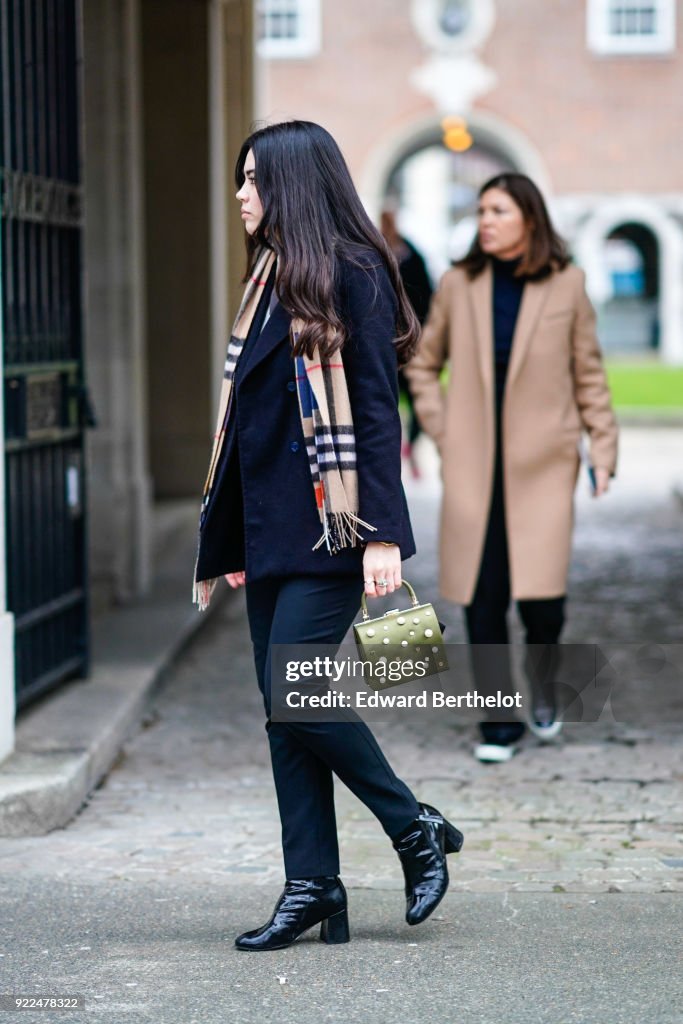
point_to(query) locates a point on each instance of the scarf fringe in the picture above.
(339, 531)
(202, 591)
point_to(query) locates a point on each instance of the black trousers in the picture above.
(305, 755)
(486, 619)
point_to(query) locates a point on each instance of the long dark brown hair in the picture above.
(546, 251)
(313, 219)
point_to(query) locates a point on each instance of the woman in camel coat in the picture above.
(525, 379)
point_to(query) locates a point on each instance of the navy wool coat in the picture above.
(262, 516)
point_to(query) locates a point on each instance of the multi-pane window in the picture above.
(633, 19)
(288, 28)
(632, 26)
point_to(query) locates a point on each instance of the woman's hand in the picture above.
(601, 481)
(235, 579)
(381, 562)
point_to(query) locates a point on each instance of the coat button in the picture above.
(291, 385)
(294, 446)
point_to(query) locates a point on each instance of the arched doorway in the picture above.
(435, 191)
(630, 320)
(657, 238)
(435, 188)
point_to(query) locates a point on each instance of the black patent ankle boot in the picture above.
(304, 902)
(452, 836)
(422, 849)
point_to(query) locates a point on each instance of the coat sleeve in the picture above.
(417, 284)
(591, 389)
(370, 362)
(423, 372)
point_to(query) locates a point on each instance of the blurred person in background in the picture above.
(418, 286)
(514, 322)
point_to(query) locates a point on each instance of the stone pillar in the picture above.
(178, 243)
(119, 485)
(672, 295)
(219, 197)
(232, 88)
(198, 100)
(242, 81)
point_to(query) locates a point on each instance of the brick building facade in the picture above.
(583, 96)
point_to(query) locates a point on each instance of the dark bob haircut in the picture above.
(546, 251)
(313, 219)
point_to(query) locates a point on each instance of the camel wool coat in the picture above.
(556, 387)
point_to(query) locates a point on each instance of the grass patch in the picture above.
(645, 385)
(634, 385)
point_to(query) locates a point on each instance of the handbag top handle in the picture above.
(404, 583)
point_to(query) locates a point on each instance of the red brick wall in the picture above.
(602, 124)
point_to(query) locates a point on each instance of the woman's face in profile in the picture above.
(252, 210)
(502, 231)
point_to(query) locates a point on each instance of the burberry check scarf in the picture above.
(326, 422)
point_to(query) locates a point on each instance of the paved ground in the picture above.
(154, 953)
(179, 849)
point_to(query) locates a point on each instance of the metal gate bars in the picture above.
(41, 325)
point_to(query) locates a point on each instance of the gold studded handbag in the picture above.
(400, 639)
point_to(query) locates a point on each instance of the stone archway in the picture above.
(589, 242)
(436, 189)
(491, 131)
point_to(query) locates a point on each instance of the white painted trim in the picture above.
(601, 41)
(486, 128)
(307, 44)
(7, 684)
(590, 237)
(425, 18)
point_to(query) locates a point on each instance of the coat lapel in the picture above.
(275, 331)
(481, 297)
(533, 299)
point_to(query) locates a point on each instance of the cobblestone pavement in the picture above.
(600, 810)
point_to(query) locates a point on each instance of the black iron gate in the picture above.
(41, 325)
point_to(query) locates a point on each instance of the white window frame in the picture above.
(307, 43)
(601, 40)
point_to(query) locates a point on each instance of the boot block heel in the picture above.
(335, 929)
(454, 838)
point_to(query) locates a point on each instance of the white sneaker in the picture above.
(545, 732)
(494, 753)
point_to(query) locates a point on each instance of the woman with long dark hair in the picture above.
(303, 503)
(526, 377)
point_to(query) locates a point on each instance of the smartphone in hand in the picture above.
(590, 469)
